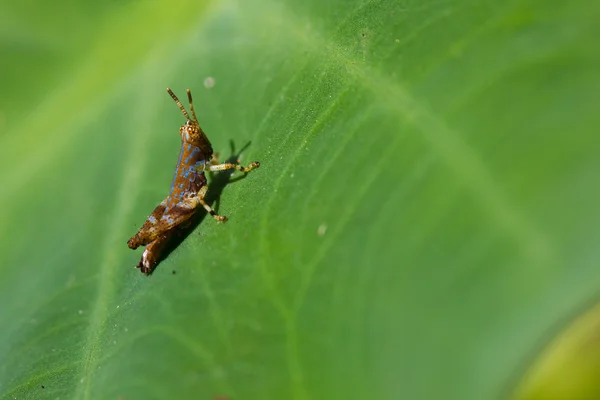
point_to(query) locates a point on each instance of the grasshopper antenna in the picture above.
(189, 93)
(185, 113)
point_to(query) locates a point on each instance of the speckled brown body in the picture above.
(188, 189)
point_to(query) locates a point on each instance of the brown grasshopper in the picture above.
(188, 189)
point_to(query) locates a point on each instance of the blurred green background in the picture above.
(424, 225)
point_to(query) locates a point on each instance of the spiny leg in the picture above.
(214, 165)
(222, 167)
(152, 254)
(171, 217)
(200, 199)
(143, 236)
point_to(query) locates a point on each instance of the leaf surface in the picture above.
(424, 219)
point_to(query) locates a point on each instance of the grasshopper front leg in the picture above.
(200, 200)
(223, 167)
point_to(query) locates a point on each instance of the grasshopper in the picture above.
(188, 189)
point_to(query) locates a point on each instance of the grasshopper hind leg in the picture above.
(152, 254)
(149, 230)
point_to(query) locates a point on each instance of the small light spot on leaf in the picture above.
(322, 229)
(209, 82)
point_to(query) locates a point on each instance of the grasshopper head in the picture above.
(190, 131)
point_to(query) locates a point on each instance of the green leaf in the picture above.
(425, 216)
